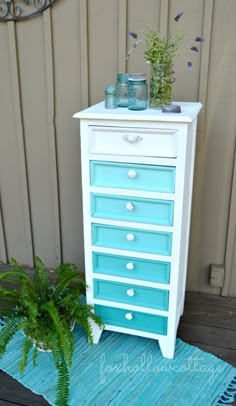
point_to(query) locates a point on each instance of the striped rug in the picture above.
(124, 370)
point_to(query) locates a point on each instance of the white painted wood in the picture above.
(146, 310)
(105, 128)
(132, 281)
(133, 141)
(189, 112)
(130, 253)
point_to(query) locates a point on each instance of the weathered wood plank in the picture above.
(210, 310)
(215, 336)
(223, 318)
(206, 301)
(226, 354)
(13, 393)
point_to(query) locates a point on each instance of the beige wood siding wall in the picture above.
(58, 63)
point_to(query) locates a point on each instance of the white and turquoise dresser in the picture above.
(137, 176)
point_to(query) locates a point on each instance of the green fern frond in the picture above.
(15, 276)
(84, 316)
(64, 335)
(72, 276)
(8, 331)
(63, 384)
(9, 293)
(25, 352)
(44, 307)
(35, 355)
(41, 279)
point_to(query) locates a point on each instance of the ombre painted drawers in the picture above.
(137, 176)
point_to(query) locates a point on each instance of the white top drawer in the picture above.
(133, 141)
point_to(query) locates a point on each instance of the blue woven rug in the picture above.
(127, 370)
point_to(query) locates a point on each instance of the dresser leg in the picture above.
(167, 347)
(97, 332)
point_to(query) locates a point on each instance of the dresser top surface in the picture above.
(189, 112)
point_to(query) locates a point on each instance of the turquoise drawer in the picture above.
(133, 320)
(128, 208)
(131, 294)
(133, 176)
(134, 239)
(130, 267)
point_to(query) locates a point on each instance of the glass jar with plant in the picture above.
(159, 53)
(45, 306)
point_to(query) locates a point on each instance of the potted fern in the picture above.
(45, 306)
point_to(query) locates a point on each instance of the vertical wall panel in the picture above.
(3, 247)
(51, 131)
(216, 150)
(122, 35)
(58, 63)
(35, 99)
(70, 96)
(141, 15)
(103, 46)
(191, 23)
(13, 173)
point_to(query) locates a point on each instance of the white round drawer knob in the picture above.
(130, 292)
(130, 237)
(129, 316)
(130, 206)
(130, 266)
(132, 174)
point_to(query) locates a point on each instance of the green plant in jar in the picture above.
(159, 52)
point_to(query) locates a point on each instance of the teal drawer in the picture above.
(129, 208)
(134, 320)
(131, 294)
(130, 267)
(134, 239)
(133, 176)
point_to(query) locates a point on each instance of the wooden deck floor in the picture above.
(209, 322)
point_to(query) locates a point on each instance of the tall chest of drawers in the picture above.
(137, 176)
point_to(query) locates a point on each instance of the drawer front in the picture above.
(132, 209)
(153, 242)
(133, 320)
(131, 294)
(133, 176)
(130, 267)
(133, 141)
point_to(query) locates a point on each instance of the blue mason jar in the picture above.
(137, 91)
(122, 89)
(110, 97)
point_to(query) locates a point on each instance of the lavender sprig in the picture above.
(158, 46)
(179, 15)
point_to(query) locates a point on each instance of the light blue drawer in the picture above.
(131, 294)
(133, 176)
(134, 239)
(134, 320)
(130, 267)
(128, 208)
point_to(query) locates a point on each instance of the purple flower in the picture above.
(190, 65)
(133, 35)
(199, 39)
(195, 49)
(180, 14)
